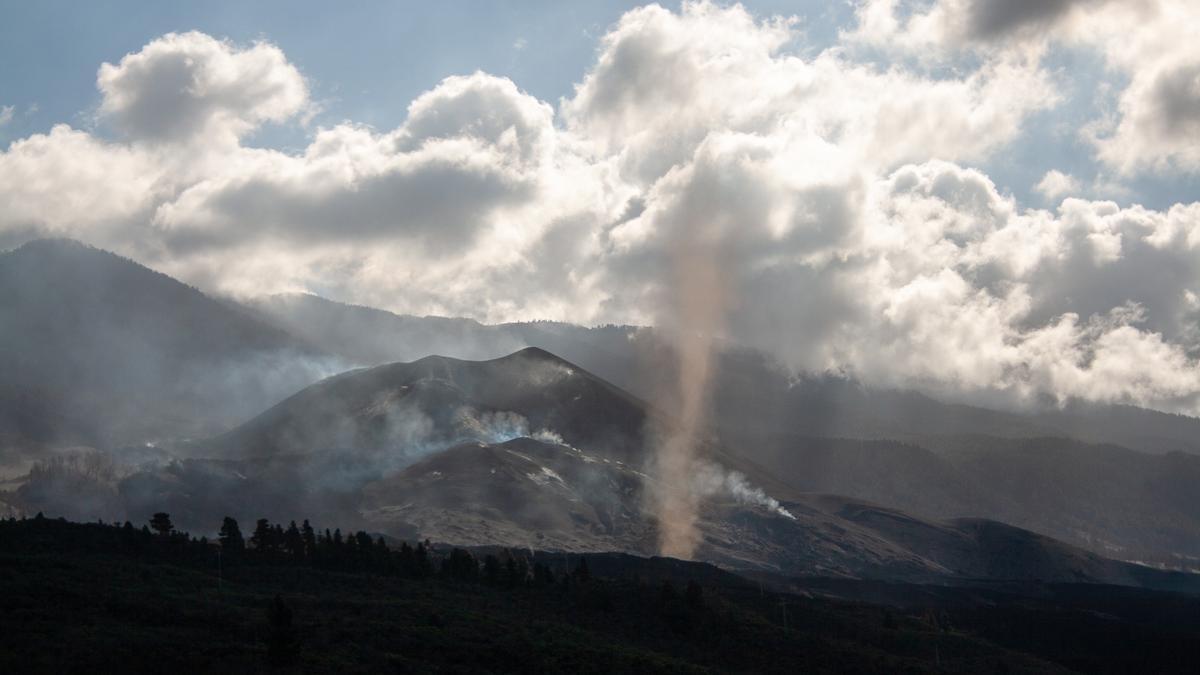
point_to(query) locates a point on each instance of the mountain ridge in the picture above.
(115, 352)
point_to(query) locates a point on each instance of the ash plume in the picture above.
(696, 310)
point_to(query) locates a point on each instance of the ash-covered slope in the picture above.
(97, 349)
(409, 409)
(548, 496)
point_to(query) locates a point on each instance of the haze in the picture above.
(888, 310)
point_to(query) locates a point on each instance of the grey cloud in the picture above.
(991, 19)
(439, 202)
(1176, 94)
(1155, 277)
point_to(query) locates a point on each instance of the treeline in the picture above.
(273, 544)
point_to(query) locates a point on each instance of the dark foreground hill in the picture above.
(98, 350)
(106, 599)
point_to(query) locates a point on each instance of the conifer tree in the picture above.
(264, 536)
(231, 536)
(310, 539)
(161, 522)
(293, 541)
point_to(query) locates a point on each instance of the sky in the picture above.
(992, 199)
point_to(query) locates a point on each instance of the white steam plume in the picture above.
(711, 480)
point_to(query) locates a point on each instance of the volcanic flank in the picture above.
(532, 451)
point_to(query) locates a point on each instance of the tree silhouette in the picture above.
(460, 565)
(264, 536)
(231, 536)
(161, 522)
(293, 541)
(423, 566)
(310, 539)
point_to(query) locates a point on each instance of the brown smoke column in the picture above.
(698, 304)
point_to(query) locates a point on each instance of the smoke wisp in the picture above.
(710, 480)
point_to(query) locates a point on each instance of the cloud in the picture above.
(989, 19)
(663, 81)
(1055, 184)
(841, 198)
(976, 293)
(69, 183)
(187, 85)
(6, 114)
(1148, 43)
(350, 186)
(488, 109)
(1159, 123)
(973, 24)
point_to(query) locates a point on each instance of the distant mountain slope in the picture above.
(368, 337)
(1112, 500)
(751, 393)
(97, 349)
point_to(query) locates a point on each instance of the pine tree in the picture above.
(161, 522)
(363, 540)
(293, 541)
(408, 565)
(231, 536)
(421, 563)
(382, 554)
(264, 536)
(310, 539)
(461, 565)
